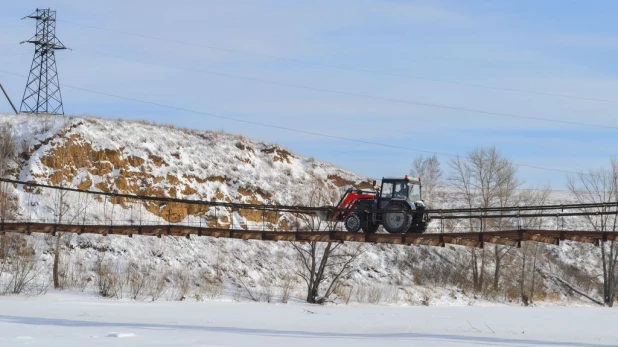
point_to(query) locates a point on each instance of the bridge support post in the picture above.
(603, 239)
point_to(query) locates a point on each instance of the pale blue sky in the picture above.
(556, 47)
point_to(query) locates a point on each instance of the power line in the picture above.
(341, 67)
(367, 96)
(515, 189)
(272, 126)
(10, 21)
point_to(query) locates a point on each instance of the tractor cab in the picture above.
(405, 190)
(399, 205)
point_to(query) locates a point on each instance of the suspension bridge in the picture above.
(469, 227)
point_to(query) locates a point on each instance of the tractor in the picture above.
(397, 205)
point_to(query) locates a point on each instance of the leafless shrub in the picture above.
(252, 294)
(361, 294)
(409, 297)
(106, 281)
(156, 282)
(345, 293)
(347, 296)
(46, 123)
(73, 273)
(268, 292)
(181, 283)
(453, 294)
(417, 276)
(211, 286)
(237, 292)
(427, 296)
(552, 297)
(392, 294)
(489, 293)
(541, 293)
(137, 282)
(374, 294)
(398, 278)
(22, 268)
(287, 286)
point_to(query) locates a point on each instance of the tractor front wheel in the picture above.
(397, 219)
(352, 223)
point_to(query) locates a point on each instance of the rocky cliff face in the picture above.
(163, 161)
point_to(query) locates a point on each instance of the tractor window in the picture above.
(387, 190)
(401, 190)
(415, 193)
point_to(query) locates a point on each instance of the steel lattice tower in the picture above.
(42, 94)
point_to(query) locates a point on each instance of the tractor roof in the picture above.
(399, 179)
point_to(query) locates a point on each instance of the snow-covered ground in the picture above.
(70, 319)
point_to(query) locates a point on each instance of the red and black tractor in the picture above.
(397, 205)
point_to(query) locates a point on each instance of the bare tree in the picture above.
(8, 154)
(60, 208)
(600, 186)
(322, 265)
(530, 197)
(485, 179)
(67, 206)
(428, 168)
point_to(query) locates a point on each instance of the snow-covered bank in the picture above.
(68, 319)
(153, 160)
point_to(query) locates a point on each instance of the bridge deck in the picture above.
(470, 239)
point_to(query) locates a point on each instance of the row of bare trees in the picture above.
(486, 178)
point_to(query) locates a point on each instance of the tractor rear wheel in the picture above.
(397, 219)
(352, 223)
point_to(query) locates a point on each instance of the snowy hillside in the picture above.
(144, 159)
(163, 161)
